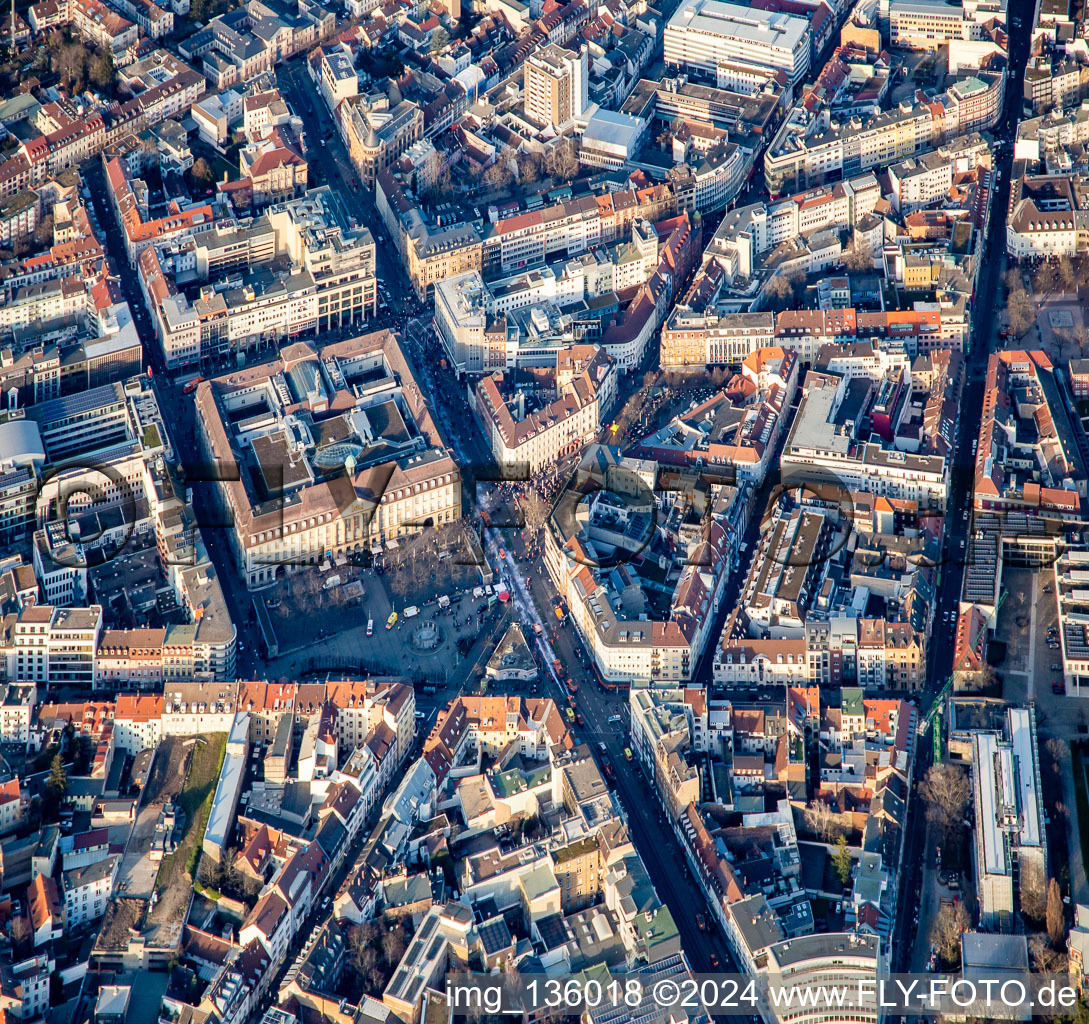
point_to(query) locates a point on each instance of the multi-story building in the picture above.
(919, 182)
(19, 216)
(139, 231)
(305, 492)
(811, 147)
(377, 129)
(1009, 835)
(739, 426)
(89, 19)
(702, 34)
(88, 889)
(238, 46)
(555, 86)
(1050, 474)
(334, 283)
(16, 707)
(825, 446)
(809, 960)
(585, 390)
(1048, 216)
(626, 645)
(337, 79)
(924, 24)
(44, 644)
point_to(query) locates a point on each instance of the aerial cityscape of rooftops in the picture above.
(579, 492)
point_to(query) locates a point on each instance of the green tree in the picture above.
(841, 860)
(439, 39)
(101, 70)
(58, 777)
(1056, 916)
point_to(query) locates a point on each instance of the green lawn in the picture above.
(196, 801)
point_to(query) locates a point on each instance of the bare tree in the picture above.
(1066, 273)
(779, 291)
(366, 959)
(442, 188)
(535, 513)
(529, 167)
(855, 256)
(820, 819)
(1033, 892)
(393, 945)
(20, 930)
(1081, 338)
(1045, 279)
(498, 176)
(1022, 312)
(563, 160)
(202, 171)
(946, 790)
(946, 931)
(1044, 958)
(69, 65)
(1056, 915)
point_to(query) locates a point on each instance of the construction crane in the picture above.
(937, 708)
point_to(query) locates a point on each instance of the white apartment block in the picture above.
(926, 24)
(16, 707)
(843, 958)
(87, 891)
(919, 181)
(54, 645)
(702, 34)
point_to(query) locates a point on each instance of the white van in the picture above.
(370, 627)
(411, 611)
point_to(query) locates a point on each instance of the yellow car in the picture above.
(570, 714)
(391, 620)
(627, 753)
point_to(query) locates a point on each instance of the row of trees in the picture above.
(559, 162)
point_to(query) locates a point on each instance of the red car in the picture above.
(1058, 686)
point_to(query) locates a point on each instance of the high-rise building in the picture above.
(555, 86)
